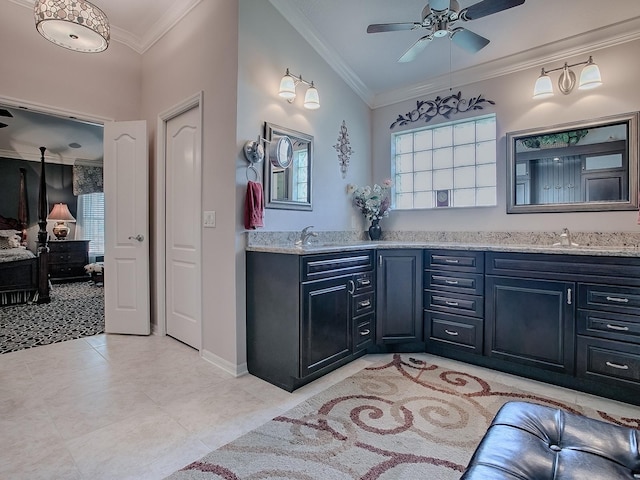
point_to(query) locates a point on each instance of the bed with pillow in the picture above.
(24, 275)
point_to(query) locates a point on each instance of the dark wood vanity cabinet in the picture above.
(307, 314)
(399, 300)
(453, 300)
(531, 322)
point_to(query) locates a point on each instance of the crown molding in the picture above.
(588, 42)
(141, 44)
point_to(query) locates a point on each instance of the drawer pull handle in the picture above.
(364, 283)
(451, 282)
(617, 327)
(451, 260)
(451, 332)
(364, 333)
(617, 365)
(617, 299)
(452, 304)
(365, 303)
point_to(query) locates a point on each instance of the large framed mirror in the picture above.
(287, 168)
(581, 166)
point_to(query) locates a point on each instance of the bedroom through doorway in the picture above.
(74, 185)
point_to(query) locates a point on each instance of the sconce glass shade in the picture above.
(590, 76)
(287, 87)
(311, 98)
(543, 87)
(73, 24)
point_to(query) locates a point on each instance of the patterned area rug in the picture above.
(76, 310)
(407, 419)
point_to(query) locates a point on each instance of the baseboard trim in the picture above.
(230, 368)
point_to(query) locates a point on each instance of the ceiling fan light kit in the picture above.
(589, 78)
(439, 17)
(73, 24)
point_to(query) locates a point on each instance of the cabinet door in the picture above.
(531, 322)
(326, 328)
(399, 296)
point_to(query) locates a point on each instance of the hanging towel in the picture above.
(253, 206)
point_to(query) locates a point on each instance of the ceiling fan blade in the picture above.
(392, 27)
(468, 40)
(439, 5)
(488, 7)
(2, 125)
(415, 49)
(5, 113)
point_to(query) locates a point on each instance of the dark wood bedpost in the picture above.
(23, 206)
(43, 249)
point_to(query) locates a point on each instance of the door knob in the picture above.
(138, 237)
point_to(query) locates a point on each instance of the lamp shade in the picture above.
(60, 212)
(590, 76)
(287, 87)
(311, 98)
(73, 24)
(543, 87)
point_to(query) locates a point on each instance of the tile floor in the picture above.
(126, 407)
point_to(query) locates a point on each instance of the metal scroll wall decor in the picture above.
(446, 106)
(343, 147)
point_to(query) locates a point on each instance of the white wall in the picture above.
(200, 54)
(516, 110)
(268, 45)
(34, 70)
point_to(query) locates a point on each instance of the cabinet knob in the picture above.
(365, 303)
(364, 333)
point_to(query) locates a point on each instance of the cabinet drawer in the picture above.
(469, 283)
(363, 303)
(609, 298)
(608, 360)
(364, 282)
(364, 332)
(461, 333)
(68, 257)
(614, 326)
(454, 303)
(454, 260)
(335, 264)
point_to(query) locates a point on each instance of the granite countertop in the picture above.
(318, 247)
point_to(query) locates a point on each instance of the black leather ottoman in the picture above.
(526, 441)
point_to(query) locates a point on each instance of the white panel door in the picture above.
(183, 227)
(126, 183)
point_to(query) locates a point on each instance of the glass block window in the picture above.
(446, 165)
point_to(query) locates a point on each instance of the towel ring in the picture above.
(255, 171)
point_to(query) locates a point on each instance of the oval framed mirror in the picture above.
(287, 175)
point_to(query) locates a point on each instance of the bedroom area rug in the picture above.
(405, 419)
(76, 310)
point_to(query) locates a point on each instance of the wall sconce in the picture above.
(288, 86)
(589, 78)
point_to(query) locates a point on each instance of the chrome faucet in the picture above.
(565, 239)
(305, 236)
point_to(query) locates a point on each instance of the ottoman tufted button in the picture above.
(555, 448)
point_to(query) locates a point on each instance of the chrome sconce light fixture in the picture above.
(589, 78)
(288, 86)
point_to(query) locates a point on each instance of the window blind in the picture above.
(90, 221)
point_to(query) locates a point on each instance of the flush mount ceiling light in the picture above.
(73, 24)
(288, 86)
(589, 78)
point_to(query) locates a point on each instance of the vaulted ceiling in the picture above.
(535, 34)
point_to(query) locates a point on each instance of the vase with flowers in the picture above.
(374, 203)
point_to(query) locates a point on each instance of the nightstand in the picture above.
(67, 259)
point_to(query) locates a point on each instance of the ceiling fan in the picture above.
(439, 17)
(5, 113)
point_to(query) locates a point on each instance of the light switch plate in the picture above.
(210, 219)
